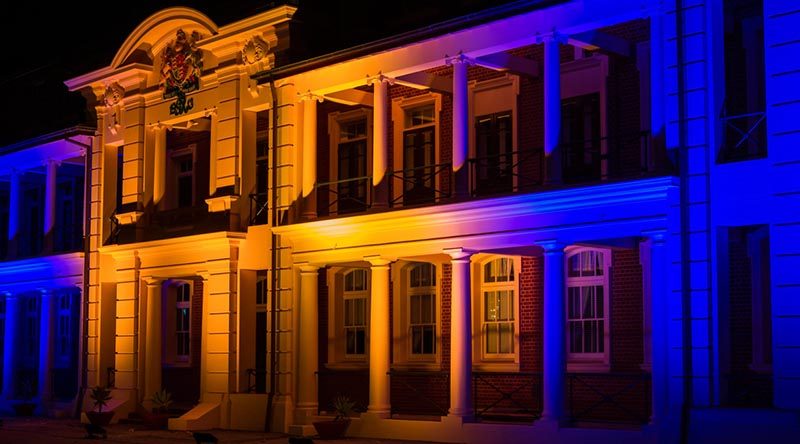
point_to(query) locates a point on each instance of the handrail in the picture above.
(524, 380)
(429, 173)
(605, 393)
(508, 169)
(412, 389)
(342, 191)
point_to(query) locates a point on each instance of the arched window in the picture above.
(355, 296)
(498, 298)
(587, 307)
(421, 294)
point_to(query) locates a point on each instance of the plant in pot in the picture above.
(25, 394)
(100, 397)
(336, 428)
(159, 417)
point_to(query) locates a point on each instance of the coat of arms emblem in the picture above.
(181, 64)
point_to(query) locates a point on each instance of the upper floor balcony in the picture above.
(562, 110)
(42, 195)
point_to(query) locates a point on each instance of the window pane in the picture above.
(429, 340)
(491, 338)
(427, 309)
(600, 336)
(598, 296)
(351, 342)
(415, 309)
(361, 311)
(506, 338)
(348, 312)
(361, 340)
(416, 340)
(490, 305)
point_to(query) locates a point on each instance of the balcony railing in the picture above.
(420, 185)
(419, 392)
(259, 208)
(506, 172)
(507, 396)
(256, 380)
(345, 196)
(612, 157)
(744, 136)
(609, 397)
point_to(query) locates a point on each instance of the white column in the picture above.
(14, 194)
(659, 294)
(9, 345)
(152, 344)
(51, 167)
(46, 344)
(379, 337)
(309, 102)
(159, 163)
(460, 124)
(308, 347)
(555, 362)
(380, 140)
(552, 108)
(460, 334)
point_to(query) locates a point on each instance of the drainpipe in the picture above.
(683, 165)
(87, 212)
(274, 259)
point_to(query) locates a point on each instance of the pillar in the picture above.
(14, 194)
(46, 345)
(380, 142)
(309, 102)
(51, 167)
(659, 293)
(308, 347)
(152, 356)
(460, 334)
(552, 108)
(461, 124)
(379, 337)
(159, 163)
(9, 345)
(555, 362)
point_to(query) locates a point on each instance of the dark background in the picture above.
(46, 44)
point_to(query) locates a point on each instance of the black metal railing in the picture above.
(420, 185)
(612, 157)
(345, 196)
(609, 397)
(111, 377)
(180, 217)
(506, 172)
(507, 396)
(257, 380)
(415, 392)
(334, 383)
(748, 389)
(259, 208)
(744, 136)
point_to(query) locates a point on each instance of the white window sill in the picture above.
(588, 367)
(347, 366)
(495, 367)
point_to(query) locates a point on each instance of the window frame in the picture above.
(483, 361)
(335, 122)
(171, 358)
(589, 362)
(338, 358)
(401, 106)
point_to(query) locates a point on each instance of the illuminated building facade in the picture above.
(526, 222)
(42, 273)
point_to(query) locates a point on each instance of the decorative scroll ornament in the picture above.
(181, 65)
(254, 50)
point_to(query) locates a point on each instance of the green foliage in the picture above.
(161, 400)
(343, 407)
(100, 396)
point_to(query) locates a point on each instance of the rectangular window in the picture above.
(120, 175)
(182, 321)
(744, 126)
(185, 181)
(586, 319)
(351, 191)
(355, 325)
(498, 319)
(580, 138)
(423, 324)
(494, 161)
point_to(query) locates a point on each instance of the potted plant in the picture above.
(159, 417)
(336, 428)
(100, 396)
(25, 394)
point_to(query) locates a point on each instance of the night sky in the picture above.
(45, 44)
